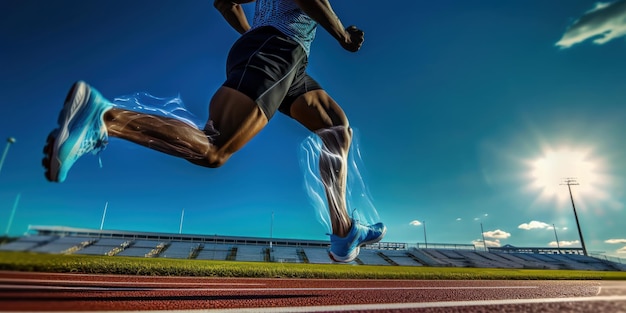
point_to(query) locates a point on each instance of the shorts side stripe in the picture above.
(250, 58)
(293, 68)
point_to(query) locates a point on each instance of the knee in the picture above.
(337, 138)
(342, 131)
(210, 162)
(339, 130)
(346, 131)
(217, 161)
(215, 164)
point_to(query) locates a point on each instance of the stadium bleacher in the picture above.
(285, 255)
(135, 251)
(511, 259)
(59, 240)
(402, 257)
(251, 253)
(494, 260)
(27, 243)
(317, 255)
(371, 257)
(442, 258)
(62, 244)
(180, 250)
(426, 259)
(146, 243)
(214, 252)
(102, 246)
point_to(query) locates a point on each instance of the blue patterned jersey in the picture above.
(286, 16)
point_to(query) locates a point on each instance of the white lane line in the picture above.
(100, 288)
(614, 287)
(82, 288)
(408, 306)
(383, 306)
(418, 305)
(138, 283)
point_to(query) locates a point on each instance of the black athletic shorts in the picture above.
(269, 67)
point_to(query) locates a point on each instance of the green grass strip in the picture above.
(21, 261)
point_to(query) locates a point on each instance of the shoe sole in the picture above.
(74, 101)
(355, 253)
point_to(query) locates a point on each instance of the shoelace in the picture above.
(100, 145)
(97, 150)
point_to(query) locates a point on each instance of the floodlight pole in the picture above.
(569, 182)
(10, 141)
(104, 214)
(482, 233)
(558, 246)
(17, 200)
(182, 216)
(425, 240)
(271, 229)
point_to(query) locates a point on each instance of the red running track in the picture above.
(46, 292)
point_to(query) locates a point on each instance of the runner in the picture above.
(266, 72)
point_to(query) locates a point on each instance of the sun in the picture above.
(550, 171)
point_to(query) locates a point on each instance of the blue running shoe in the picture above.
(82, 130)
(347, 249)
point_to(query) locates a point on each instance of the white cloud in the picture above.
(599, 6)
(500, 234)
(416, 223)
(458, 218)
(534, 225)
(615, 241)
(564, 243)
(605, 22)
(621, 250)
(489, 243)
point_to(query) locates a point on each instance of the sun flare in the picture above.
(549, 174)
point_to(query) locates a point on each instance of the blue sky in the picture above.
(469, 113)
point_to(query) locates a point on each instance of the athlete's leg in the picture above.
(234, 119)
(318, 112)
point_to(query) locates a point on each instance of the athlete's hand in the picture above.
(354, 39)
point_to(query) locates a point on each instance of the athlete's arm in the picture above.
(350, 38)
(233, 13)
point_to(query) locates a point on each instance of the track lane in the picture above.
(79, 292)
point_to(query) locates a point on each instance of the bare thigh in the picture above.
(318, 112)
(237, 119)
